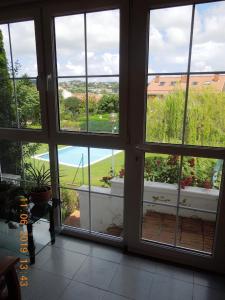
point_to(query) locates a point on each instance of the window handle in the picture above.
(38, 83)
(48, 81)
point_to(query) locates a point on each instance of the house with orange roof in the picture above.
(163, 85)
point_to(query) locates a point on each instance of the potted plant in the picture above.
(40, 179)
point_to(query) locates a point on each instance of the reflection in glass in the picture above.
(165, 108)
(169, 39)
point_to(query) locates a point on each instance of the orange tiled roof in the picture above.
(163, 85)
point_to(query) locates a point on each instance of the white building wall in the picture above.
(107, 209)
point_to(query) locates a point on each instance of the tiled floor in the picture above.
(75, 269)
(193, 233)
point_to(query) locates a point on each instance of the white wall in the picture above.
(108, 209)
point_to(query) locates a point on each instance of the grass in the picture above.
(97, 170)
(96, 123)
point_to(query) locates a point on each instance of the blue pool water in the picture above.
(72, 156)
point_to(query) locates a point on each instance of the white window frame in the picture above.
(137, 111)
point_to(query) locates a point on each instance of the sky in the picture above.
(170, 37)
(168, 42)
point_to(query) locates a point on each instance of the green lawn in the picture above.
(96, 123)
(97, 170)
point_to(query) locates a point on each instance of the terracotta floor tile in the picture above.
(192, 233)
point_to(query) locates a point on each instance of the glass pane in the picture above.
(106, 187)
(107, 171)
(69, 32)
(196, 230)
(75, 208)
(19, 98)
(103, 32)
(24, 53)
(11, 154)
(73, 166)
(159, 223)
(8, 111)
(169, 39)
(208, 38)
(103, 105)
(107, 214)
(206, 110)
(199, 195)
(72, 104)
(165, 108)
(28, 103)
(160, 197)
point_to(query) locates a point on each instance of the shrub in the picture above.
(70, 202)
(108, 104)
(205, 123)
(72, 104)
(195, 171)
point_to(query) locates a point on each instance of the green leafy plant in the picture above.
(195, 171)
(40, 178)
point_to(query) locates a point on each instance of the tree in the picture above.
(108, 104)
(205, 122)
(7, 112)
(28, 101)
(10, 152)
(72, 104)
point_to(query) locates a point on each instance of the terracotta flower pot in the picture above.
(44, 196)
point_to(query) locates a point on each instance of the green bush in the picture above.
(108, 104)
(205, 123)
(72, 104)
(70, 202)
(195, 171)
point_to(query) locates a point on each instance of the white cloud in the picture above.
(169, 38)
(209, 38)
(169, 41)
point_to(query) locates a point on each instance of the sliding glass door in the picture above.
(87, 84)
(179, 147)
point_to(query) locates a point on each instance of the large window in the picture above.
(185, 52)
(185, 108)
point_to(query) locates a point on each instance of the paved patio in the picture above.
(193, 233)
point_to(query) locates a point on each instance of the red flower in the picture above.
(191, 162)
(173, 159)
(182, 184)
(121, 173)
(207, 184)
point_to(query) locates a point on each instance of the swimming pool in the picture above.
(78, 156)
